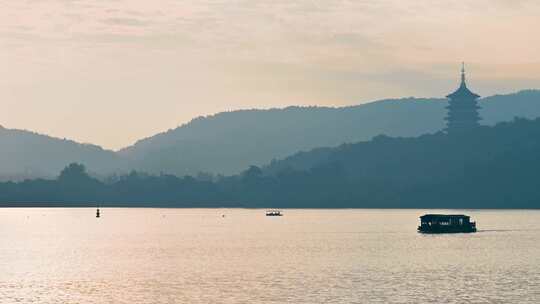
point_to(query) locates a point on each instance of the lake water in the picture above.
(306, 256)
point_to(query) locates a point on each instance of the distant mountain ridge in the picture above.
(486, 167)
(228, 142)
(26, 154)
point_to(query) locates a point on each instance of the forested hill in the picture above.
(490, 167)
(228, 142)
(25, 154)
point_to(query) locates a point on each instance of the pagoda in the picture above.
(462, 108)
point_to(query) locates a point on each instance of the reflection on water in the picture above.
(306, 256)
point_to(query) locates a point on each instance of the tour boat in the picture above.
(273, 213)
(446, 223)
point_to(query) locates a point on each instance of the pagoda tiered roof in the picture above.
(462, 108)
(463, 92)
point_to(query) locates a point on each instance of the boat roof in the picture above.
(444, 215)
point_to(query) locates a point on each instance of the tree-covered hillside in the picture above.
(25, 154)
(228, 142)
(490, 167)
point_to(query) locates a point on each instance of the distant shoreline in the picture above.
(259, 208)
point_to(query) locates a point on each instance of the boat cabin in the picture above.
(446, 223)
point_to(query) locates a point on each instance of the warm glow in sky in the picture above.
(110, 72)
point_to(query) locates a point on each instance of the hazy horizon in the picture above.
(110, 73)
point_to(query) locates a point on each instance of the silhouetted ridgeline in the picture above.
(491, 167)
(25, 154)
(229, 142)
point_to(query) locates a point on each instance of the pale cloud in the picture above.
(158, 63)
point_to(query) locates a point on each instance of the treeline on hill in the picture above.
(490, 167)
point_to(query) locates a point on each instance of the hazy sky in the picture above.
(112, 71)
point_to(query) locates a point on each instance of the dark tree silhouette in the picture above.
(73, 172)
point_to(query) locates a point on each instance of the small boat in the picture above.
(273, 213)
(446, 223)
(97, 213)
